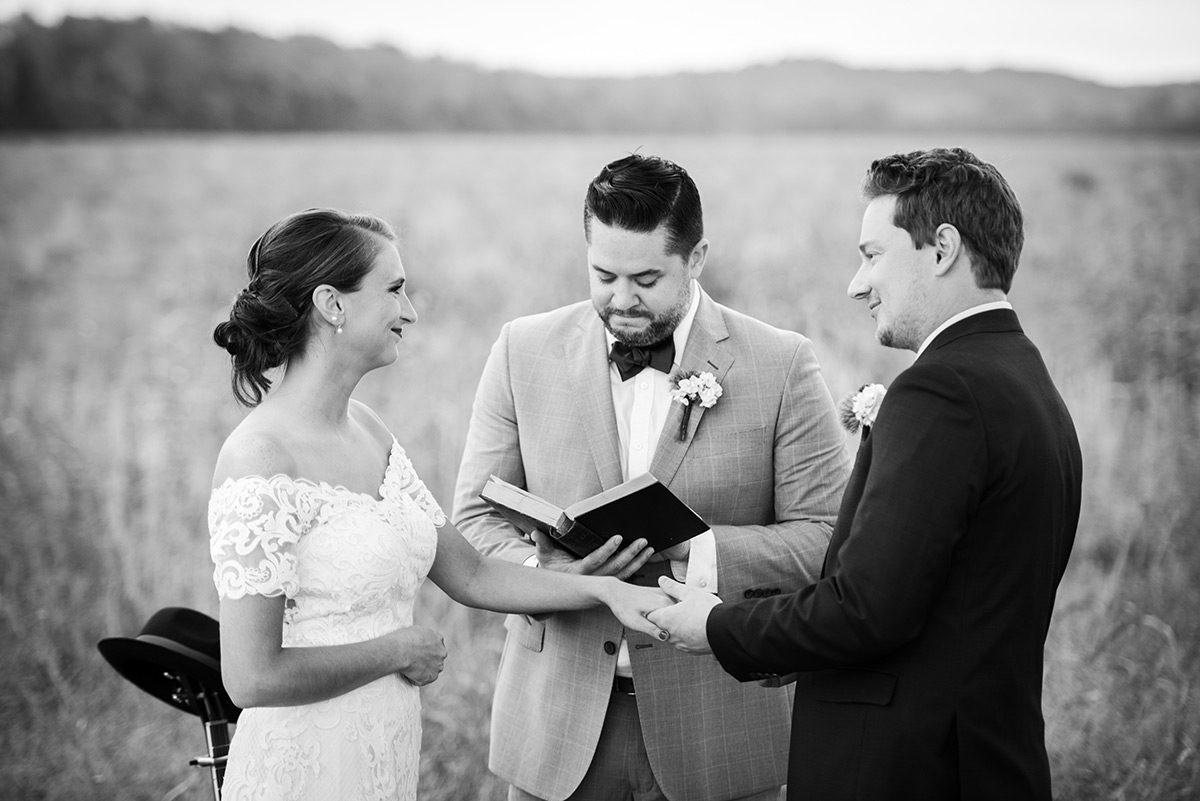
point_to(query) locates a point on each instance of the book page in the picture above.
(500, 493)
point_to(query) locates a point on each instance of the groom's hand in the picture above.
(610, 559)
(688, 619)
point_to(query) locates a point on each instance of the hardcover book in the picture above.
(641, 507)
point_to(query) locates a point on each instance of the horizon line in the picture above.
(588, 74)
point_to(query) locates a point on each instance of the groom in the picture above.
(575, 400)
(920, 649)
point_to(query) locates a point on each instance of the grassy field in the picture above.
(118, 255)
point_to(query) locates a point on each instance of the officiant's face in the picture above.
(640, 291)
(893, 278)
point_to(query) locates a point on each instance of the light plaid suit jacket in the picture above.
(765, 467)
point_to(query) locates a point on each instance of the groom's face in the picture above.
(892, 278)
(640, 291)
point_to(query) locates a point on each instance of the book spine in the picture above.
(577, 538)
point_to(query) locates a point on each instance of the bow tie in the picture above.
(631, 359)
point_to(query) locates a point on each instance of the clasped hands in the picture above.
(686, 620)
(675, 612)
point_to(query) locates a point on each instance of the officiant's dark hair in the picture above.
(640, 193)
(952, 185)
(270, 319)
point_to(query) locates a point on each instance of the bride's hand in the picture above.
(631, 603)
(424, 654)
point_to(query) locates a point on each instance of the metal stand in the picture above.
(209, 707)
(177, 659)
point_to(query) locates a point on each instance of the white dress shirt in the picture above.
(641, 405)
(962, 315)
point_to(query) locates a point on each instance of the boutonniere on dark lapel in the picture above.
(859, 409)
(692, 388)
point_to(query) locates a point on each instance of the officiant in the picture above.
(575, 400)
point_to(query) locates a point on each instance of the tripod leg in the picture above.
(216, 731)
(216, 735)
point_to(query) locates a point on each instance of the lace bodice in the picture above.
(348, 563)
(349, 566)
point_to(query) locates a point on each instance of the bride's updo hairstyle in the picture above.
(271, 318)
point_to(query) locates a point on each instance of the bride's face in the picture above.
(377, 312)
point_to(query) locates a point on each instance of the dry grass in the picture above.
(120, 254)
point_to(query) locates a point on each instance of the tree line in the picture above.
(93, 74)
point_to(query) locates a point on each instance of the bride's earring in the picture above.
(338, 324)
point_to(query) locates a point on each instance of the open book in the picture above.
(640, 507)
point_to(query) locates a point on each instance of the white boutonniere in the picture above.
(692, 388)
(859, 409)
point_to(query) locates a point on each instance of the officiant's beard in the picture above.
(660, 326)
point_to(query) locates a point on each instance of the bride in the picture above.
(321, 532)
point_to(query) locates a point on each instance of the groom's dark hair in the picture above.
(951, 185)
(640, 193)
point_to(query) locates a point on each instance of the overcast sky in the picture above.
(1112, 41)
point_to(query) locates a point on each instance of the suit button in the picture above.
(610, 647)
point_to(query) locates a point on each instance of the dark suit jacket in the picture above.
(921, 645)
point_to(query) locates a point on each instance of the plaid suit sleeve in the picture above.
(492, 448)
(810, 471)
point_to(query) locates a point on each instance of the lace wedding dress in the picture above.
(349, 566)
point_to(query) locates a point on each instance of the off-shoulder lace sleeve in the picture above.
(253, 526)
(404, 478)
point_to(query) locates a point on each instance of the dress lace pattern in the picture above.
(349, 565)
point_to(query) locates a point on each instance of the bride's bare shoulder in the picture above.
(371, 422)
(257, 447)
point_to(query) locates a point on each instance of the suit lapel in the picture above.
(589, 382)
(851, 497)
(989, 322)
(707, 350)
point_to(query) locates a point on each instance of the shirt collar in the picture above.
(681, 332)
(962, 315)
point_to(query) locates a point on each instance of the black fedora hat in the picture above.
(175, 657)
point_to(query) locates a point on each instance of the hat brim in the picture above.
(152, 663)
